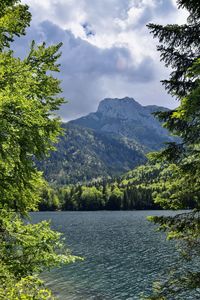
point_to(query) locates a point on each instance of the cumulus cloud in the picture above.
(107, 49)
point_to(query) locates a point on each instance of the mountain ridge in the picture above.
(126, 117)
(105, 143)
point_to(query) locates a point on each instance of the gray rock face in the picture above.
(127, 118)
(121, 109)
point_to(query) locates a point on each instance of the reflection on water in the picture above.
(123, 254)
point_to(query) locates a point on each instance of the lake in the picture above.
(123, 254)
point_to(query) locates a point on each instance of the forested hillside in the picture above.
(107, 143)
(140, 188)
(83, 154)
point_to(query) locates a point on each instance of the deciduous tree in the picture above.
(29, 94)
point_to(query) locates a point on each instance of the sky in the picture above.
(107, 49)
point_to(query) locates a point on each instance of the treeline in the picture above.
(97, 197)
(135, 190)
(140, 189)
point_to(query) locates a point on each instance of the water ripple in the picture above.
(123, 254)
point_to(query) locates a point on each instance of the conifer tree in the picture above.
(180, 49)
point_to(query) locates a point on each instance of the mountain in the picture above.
(83, 154)
(127, 118)
(106, 143)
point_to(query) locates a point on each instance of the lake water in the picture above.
(123, 254)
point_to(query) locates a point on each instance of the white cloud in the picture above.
(107, 49)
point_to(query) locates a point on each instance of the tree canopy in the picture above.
(29, 95)
(180, 49)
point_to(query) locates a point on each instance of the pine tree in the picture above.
(180, 49)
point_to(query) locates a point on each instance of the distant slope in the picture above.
(83, 154)
(106, 143)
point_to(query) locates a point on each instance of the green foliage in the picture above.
(83, 154)
(50, 200)
(27, 288)
(28, 131)
(180, 50)
(150, 186)
(27, 249)
(27, 100)
(14, 18)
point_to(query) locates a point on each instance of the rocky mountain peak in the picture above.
(124, 108)
(128, 119)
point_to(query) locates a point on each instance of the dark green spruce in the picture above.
(179, 46)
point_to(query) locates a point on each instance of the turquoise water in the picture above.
(123, 254)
